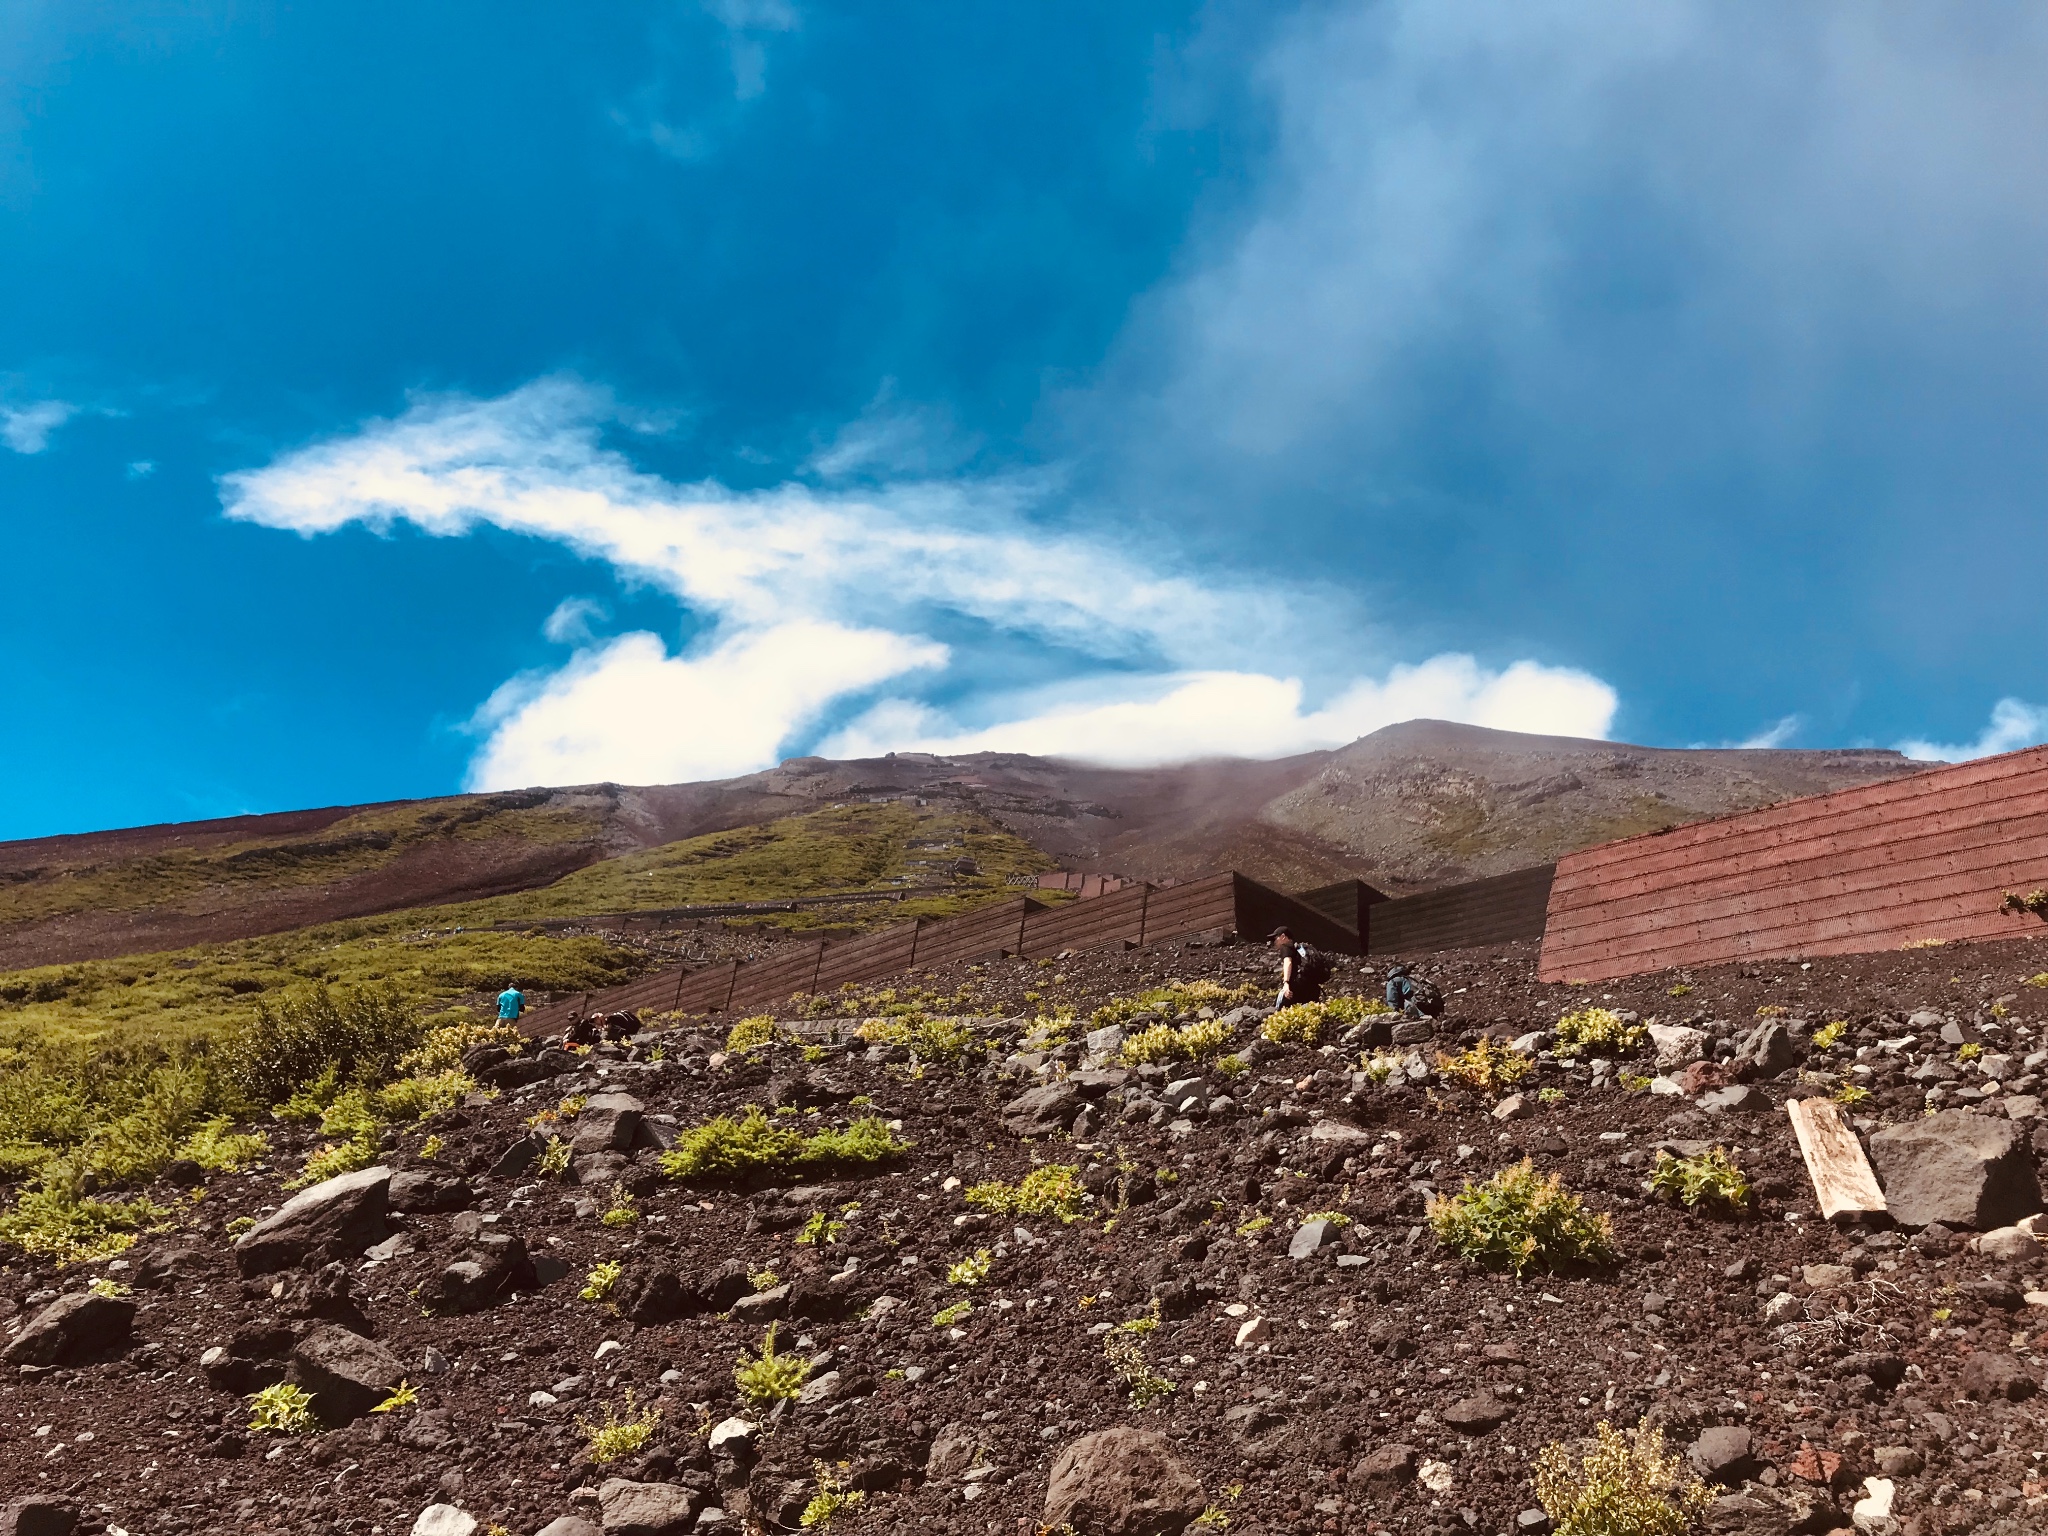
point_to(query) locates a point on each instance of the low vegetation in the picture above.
(1205, 1040)
(1488, 1066)
(1520, 1220)
(283, 1409)
(1304, 1023)
(1176, 1000)
(1711, 1178)
(1619, 1485)
(1052, 1189)
(832, 1498)
(944, 1041)
(1597, 1029)
(1127, 1358)
(725, 1148)
(768, 1377)
(621, 1434)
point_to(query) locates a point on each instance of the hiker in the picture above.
(1302, 970)
(511, 1004)
(1413, 996)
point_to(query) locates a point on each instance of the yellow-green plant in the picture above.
(971, 1271)
(1619, 1485)
(1301, 1024)
(554, 1159)
(1851, 1094)
(1200, 1041)
(1051, 1189)
(621, 1434)
(751, 1033)
(1175, 1000)
(1597, 1029)
(1549, 1096)
(404, 1395)
(958, 1312)
(55, 1219)
(725, 1148)
(1126, 1356)
(1829, 1034)
(1711, 1178)
(767, 1378)
(599, 1283)
(2038, 979)
(821, 1229)
(216, 1148)
(443, 1049)
(622, 1212)
(1518, 1220)
(283, 1409)
(832, 1498)
(1970, 1050)
(763, 1280)
(103, 1286)
(432, 1147)
(1487, 1067)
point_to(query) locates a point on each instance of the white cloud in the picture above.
(1240, 714)
(2014, 724)
(628, 711)
(27, 428)
(1776, 735)
(141, 469)
(813, 598)
(569, 624)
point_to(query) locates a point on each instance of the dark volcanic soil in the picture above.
(1370, 1344)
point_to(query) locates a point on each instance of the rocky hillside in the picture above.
(972, 1274)
(1408, 807)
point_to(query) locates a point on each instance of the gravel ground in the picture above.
(1375, 1384)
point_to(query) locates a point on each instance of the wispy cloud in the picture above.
(27, 428)
(2014, 724)
(1776, 735)
(812, 599)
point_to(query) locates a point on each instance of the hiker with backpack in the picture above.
(1412, 995)
(1303, 969)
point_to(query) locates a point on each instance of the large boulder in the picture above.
(1677, 1045)
(347, 1374)
(647, 1509)
(1768, 1049)
(337, 1219)
(513, 1072)
(1122, 1482)
(491, 1268)
(81, 1326)
(1042, 1111)
(608, 1122)
(1957, 1168)
(38, 1514)
(426, 1190)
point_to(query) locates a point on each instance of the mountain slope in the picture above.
(1411, 806)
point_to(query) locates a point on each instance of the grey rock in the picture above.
(492, 1267)
(1042, 1111)
(1413, 1032)
(336, 1219)
(518, 1158)
(822, 1388)
(1310, 1238)
(1724, 1455)
(647, 1509)
(74, 1327)
(762, 1306)
(608, 1122)
(2021, 1106)
(1094, 1083)
(1338, 1133)
(1477, 1415)
(1737, 1097)
(1387, 1466)
(1186, 1095)
(1770, 1048)
(1957, 1168)
(1122, 1482)
(429, 1190)
(444, 1520)
(1104, 1042)
(38, 1514)
(1989, 1377)
(347, 1374)
(1677, 1045)
(524, 1071)
(569, 1525)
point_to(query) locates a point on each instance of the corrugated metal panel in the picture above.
(1344, 903)
(1921, 857)
(1501, 909)
(1088, 924)
(1260, 910)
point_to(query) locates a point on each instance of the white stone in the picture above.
(2009, 1245)
(1254, 1330)
(444, 1520)
(1677, 1045)
(1436, 1476)
(730, 1430)
(541, 1399)
(608, 1348)
(1781, 1306)
(1666, 1085)
(434, 1363)
(1872, 1514)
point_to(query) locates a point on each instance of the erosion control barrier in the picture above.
(1919, 859)
(1500, 909)
(1136, 914)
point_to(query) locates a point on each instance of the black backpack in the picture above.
(1425, 996)
(1312, 968)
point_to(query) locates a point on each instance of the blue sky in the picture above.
(395, 399)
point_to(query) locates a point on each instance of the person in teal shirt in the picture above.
(511, 1004)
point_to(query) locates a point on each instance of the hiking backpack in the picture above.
(1425, 996)
(1313, 969)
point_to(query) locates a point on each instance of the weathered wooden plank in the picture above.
(1842, 1179)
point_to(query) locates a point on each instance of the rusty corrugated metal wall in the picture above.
(1917, 858)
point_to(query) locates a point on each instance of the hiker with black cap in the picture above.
(1302, 970)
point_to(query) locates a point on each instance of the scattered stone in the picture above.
(39, 1514)
(81, 1326)
(1514, 1107)
(1872, 1514)
(569, 1525)
(1310, 1238)
(1477, 1415)
(1254, 1330)
(347, 1374)
(1046, 1110)
(1122, 1482)
(336, 1219)
(1677, 1044)
(444, 1520)
(734, 1431)
(2010, 1245)
(1388, 1466)
(1989, 1377)
(647, 1509)
(429, 1190)
(608, 1122)
(1957, 1168)
(488, 1270)
(1827, 1277)
(1768, 1049)
(1724, 1455)
(1736, 1097)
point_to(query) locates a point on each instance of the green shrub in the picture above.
(360, 1032)
(832, 1498)
(57, 1220)
(1126, 1356)
(768, 1378)
(622, 1212)
(1519, 1219)
(554, 1161)
(1487, 1067)
(283, 1409)
(1598, 1029)
(971, 1271)
(1619, 1485)
(725, 1148)
(958, 1312)
(1200, 1041)
(598, 1284)
(1712, 1177)
(443, 1049)
(1830, 1034)
(216, 1148)
(946, 1041)
(414, 1098)
(620, 1435)
(751, 1033)
(1053, 1189)
(403, 1396)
